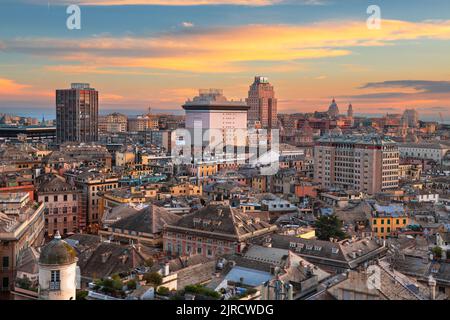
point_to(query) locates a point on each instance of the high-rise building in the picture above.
(77, 114)
(364, 163)
(262, 103)
(217, 118)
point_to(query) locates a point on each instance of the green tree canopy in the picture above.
(153, 278)
(329, 227)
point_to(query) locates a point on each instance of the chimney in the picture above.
(166, 269)
(432, 285)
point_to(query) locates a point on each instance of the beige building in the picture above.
(92, 183)
(21, 226)
(143, 123)
(363, 163)
(111, 123)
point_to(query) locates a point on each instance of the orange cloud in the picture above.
(9, 87)
(228, 50)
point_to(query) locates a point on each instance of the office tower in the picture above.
(77, 114)
(363, 163)
(262, 103)
(218, 119)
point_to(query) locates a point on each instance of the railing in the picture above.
(100, 296)
(55, 285)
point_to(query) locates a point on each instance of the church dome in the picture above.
(333, 110)
(57, 252)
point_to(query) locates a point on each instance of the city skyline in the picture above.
(160, 54)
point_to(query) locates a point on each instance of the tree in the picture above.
(164, 291)
(131, 284)
(153, 278)
(329, 227)
(437, 252)
(149, 262)
(81, 295)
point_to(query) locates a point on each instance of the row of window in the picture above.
(63, 210)
(388, 221)
(64, 197)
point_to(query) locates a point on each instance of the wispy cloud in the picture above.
(187, 24)
(226, 49)
(420, 86)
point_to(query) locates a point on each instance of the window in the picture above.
(55, 280)
(5, 283)
(389, 221)
(382, 229)
(404, 221)
(55, 198)
(388, 229)
(45, 199)
(65, 197)
(382, 221)
(199, 250)
(74, 197)
(5, 263)
(397, 221)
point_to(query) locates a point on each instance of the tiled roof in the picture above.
(148, 220)
(222, 221)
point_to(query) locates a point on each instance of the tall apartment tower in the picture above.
(77, 114)
(368, 164)
(262, 103)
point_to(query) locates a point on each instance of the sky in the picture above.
(158, 53)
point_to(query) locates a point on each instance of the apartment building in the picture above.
(363, 163)
(62, 204)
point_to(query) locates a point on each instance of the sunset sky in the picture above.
(160, 52)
